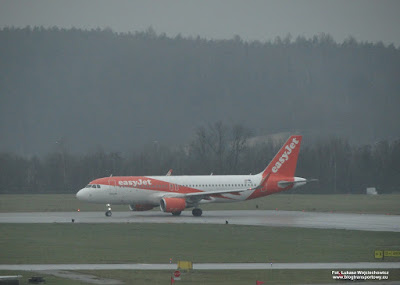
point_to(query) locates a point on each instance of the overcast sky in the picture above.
(366, 20)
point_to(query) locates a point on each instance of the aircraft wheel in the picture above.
(108, 213)
(197, 212)
(177, 213)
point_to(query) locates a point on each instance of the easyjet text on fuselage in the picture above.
(135, 183)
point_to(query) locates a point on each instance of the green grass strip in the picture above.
(157, 243)
(212, 277)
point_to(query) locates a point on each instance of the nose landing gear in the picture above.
(108, 212)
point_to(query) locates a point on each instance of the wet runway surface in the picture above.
(363, 222)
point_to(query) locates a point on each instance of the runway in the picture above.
(363, 222)
(205, 266)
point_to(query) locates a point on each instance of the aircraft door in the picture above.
(173, 187)
(113, 187)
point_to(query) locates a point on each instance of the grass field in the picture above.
(231, 277)
(216, 277)
(380, 204)
(156, 243)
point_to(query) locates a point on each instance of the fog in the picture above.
(121, 75)
(366, 20)
(118, 92)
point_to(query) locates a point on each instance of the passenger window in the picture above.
(98, 186)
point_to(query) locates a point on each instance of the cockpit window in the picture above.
(93, 186)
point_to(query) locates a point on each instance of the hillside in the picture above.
(121, 91)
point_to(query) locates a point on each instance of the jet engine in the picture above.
(137, 207)
(172, 205)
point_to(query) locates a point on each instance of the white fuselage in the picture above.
(151, 194)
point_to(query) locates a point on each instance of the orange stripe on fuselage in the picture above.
(145, 183)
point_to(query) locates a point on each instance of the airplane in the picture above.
(173, 194)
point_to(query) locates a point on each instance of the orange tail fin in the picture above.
(285, 161)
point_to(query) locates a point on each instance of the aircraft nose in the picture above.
(82, 194)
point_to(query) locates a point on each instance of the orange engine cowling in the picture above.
(137, 207)
(171, 205)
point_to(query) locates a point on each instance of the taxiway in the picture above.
(363, 222)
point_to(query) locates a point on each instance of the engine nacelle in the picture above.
(137, 207)
(171, 205)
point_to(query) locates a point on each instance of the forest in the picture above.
(216, 148)
(121, 91)
(76, 105)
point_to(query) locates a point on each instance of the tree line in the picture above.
(215, 148)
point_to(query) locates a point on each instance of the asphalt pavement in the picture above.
(363, 222)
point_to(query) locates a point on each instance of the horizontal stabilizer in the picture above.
(301, 181)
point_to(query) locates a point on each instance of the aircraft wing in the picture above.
(197, 196)
(210, 193)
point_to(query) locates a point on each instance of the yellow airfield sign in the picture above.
(393, 253)
(378, 253)
(387, 253)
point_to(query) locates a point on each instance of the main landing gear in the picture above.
(197, 212)
(108, 212)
